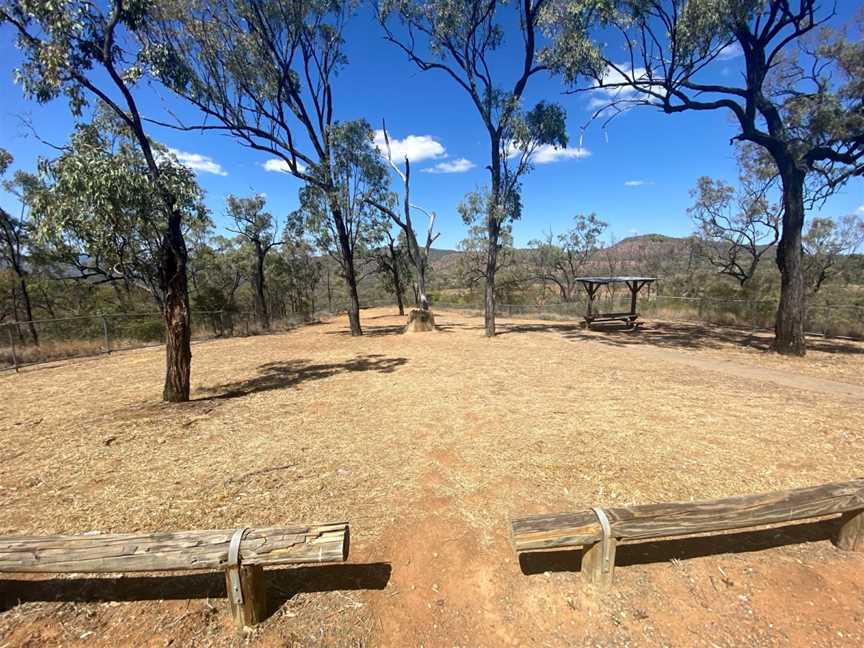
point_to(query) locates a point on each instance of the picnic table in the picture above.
(593, 284)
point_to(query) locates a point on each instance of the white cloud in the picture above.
(860, 210)
(198, 162)
(460, 165)
(637, 183)
(278, 165)
(547, 154)
(731, 51)
(414, 147)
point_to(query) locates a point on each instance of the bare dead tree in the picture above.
(418, 254)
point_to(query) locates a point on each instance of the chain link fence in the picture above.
(47, 340)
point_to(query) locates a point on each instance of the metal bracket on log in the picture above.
(605, 542)
(235, 592)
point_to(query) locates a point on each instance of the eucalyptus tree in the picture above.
(737, 226)
(302, 269)
(393, 267)
(827, 240)
(560, 260)
(465, 42)
(342, 220)
(15, 239)
(800, 97)
(263, 71)
(97, 207)
(473, 210)
(257, 227)
(216, 272)
(85, 50)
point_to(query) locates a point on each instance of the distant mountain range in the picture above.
(626, 251)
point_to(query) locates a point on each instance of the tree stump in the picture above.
(420, 321)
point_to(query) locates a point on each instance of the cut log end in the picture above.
(420, 321)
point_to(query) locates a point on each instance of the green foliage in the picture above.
(98, 200)
(560, 259)
(251, 221)
(63, 41)
(263, 69)
(826, 243)
(5, 161)
(572, 52)
(359, 177)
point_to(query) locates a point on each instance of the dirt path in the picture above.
(751, 372)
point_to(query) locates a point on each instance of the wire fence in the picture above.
(827, 319)
(47, 340)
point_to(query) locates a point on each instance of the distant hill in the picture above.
(629, 252)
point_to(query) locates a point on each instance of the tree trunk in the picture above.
(353, 303)
(789, 325)
(175, 311)
(399, 301)
(420, 267)
(494, 219)
(397, 284)
(491, 266)
(260, 291)
(28, 309)
(346, 253)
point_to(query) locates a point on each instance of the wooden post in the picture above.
(221, 323)
(634, 290)
(249, 606)
(592, 289)
(12, 346)
(851, 534)
(595, 570)
(105, 335)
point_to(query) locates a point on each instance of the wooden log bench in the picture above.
(627, 318)
(240, 553)
(599, 530)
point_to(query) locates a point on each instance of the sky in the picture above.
(636, 174)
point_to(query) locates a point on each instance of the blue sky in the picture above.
(636, 175)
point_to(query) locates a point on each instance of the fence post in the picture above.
(221, 323)
(12, 345)
(105, 333)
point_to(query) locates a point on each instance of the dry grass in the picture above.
(407, 437)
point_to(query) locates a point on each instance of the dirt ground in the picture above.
(428, 444)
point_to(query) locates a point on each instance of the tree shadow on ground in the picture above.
(290, 373)
(374, 331)
(672, 335)
(282, 585)
(658, 551)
